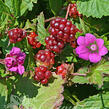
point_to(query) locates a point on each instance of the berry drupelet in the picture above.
(45, 57)
(32, 40)
(63, 29)
(16, 35)
(42, 75)
(54, 44)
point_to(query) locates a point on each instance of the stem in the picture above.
(7, 76)
(70, 99)
(47, 20)
(105, 34)
(2, 61)
(75, 97)
(78, 74)
(67, 11)
(102, 100)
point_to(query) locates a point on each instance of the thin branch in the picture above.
(47, 20)
(78, 74)
(68, 9)
(2, 61)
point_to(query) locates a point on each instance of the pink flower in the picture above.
(91, 48)
(14, 60)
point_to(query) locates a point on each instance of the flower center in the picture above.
(93, 47)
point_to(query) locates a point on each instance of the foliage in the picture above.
(34, 16)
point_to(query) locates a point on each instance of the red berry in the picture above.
(33, 34)
(42, 74)
(60, 29)
(48, 74)
(73, 11)
(16, 35)
(54, 44)
(45, 57)
(62, 70)
(32, 40)
(44, 81)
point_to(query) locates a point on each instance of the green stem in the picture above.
(105, 34)
(68, 98)
(75, 97)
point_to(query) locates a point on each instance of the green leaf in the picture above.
(3, 95)
(42, 33)
(80, 79)
(27, 5)
(48, 96)
(55, 6)
(14, 6)
(4, 8)
(38, 96)
(94, 102)
(94, 8)
(95, 75)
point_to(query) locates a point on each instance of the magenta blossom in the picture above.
(14, 60)
(91, 48)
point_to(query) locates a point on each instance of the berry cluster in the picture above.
(63, 30)
(45, 57)
(73, 11)
(32, 40)
(62, 70)
(16, 35)
(42, 74)
(52, 43)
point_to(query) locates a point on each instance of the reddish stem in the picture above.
(47, 20)
(2, 61)
(78, 74)
(68, 9)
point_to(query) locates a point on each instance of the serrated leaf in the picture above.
(40, 97)
(14, 6)
(42, 33)
(94, 102)
(80, 79)
(96, 72)
(55, 6)
(3, 95)
(27, 5)
(94, 8)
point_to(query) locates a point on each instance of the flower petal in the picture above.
(100, 42)
(89, 38)
(21, 69)
(103, 51)
(94, 57)
(15, 51)
(81, 49)
(84, 56)
(81, 40)
(13, 69)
